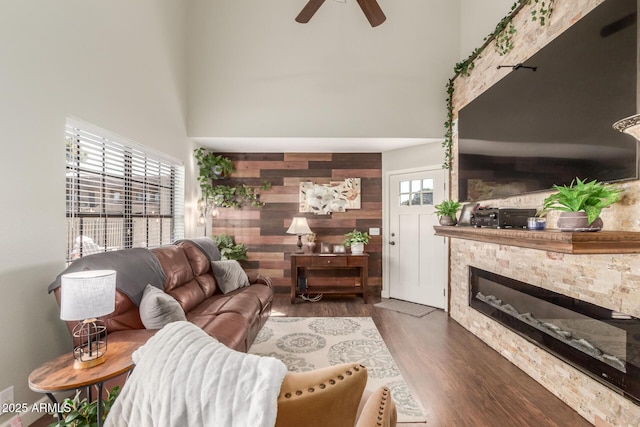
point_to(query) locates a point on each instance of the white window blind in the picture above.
(119, 195)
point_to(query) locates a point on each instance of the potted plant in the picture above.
(212, 167)
(447, 211)
(581, 203)
(79, 412)
(230, 250)
(356, 240)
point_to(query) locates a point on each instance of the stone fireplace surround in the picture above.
(611, 281)
(607, 280)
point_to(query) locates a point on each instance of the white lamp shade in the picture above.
(299, 226)
(87, 294)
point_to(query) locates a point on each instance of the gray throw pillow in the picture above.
(229, 275)
(158, 308)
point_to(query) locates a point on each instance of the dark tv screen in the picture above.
(534, 129)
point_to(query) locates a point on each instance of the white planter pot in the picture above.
(357, 248)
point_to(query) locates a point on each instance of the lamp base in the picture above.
(90, 339)
(86, 364)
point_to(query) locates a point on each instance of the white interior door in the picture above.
(417, 259)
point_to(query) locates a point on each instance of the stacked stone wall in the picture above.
(611, 281)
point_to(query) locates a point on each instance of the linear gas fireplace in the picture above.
(602, 343)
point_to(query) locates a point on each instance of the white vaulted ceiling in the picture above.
(257, 77)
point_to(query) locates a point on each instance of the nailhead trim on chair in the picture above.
(383, 402)
(322, 386)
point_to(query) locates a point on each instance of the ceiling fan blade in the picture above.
(372, 11)
(308, 11)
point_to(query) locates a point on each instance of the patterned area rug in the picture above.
(415, 310)
(307, 343)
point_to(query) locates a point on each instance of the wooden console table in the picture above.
(330, 262)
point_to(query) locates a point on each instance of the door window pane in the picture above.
(416, 192)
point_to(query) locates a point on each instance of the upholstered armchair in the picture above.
(184, 377)
(333, 397)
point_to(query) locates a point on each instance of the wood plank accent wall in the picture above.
(263, 230)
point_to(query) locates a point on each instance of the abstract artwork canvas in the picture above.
(337, 196)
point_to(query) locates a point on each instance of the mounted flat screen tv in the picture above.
(534, 129)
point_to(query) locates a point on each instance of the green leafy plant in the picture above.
(83, 413)
(230, 250)
(542, 10)
(448, 208)
(212, 167)
(504, 38)
(448, 136)
(356, 236)
(590, 197)
(226, 196)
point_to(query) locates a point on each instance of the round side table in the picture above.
(59, 374)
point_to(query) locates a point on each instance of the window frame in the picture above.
(118, 190)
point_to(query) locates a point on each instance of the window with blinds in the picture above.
(119, 194)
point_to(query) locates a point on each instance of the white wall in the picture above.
(478, 18)
(257, 72)
(118, 64)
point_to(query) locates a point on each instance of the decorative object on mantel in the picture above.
(299, 226)
(581, 203)
(447, 211)
(467, 212)
(325, 248)
(629, 125)
(356, 240)
(337, 196)
(536, 223)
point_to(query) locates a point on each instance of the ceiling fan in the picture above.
(371, 10)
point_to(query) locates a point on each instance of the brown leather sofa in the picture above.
(234, 318)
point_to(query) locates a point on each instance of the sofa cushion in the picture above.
(229, 275)
(157, 308)
(175, 265)
(230, 329)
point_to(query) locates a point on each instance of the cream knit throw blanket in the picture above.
(184, 377)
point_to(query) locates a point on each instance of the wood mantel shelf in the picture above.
(600, 242)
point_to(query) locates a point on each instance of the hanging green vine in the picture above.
(503, 37)
(213, 167)
(448, 136)
(541, 12)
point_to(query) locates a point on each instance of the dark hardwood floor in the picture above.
(458, 379)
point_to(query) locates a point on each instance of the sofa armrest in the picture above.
(323, 397)
(256, 278)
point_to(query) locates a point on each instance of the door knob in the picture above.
(392, 243)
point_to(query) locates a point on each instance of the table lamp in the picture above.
(299, 226)
(87, 295)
